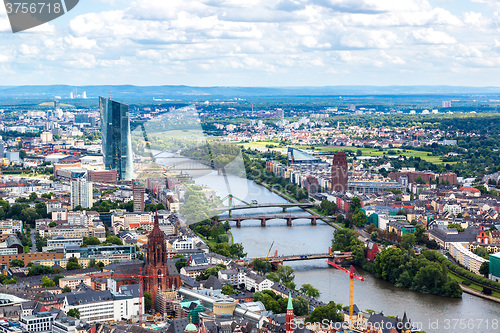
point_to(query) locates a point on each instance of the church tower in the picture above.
(157, 278)
(290, 325)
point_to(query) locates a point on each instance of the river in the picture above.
(431, 313)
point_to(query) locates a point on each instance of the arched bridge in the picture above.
(284, 206)
(337, 257)
(265, 218)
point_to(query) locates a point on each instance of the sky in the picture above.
(259, 43)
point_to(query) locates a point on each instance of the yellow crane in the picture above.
(352, 276)
(267, 257)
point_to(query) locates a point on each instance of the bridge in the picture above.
(265, 218)
(337, 257)
(283, 206)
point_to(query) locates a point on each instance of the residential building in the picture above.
(81, 193)
(465, 257)
(40, 322)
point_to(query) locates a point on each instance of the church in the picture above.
(161, 278)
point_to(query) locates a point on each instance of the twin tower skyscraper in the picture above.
(116, 138)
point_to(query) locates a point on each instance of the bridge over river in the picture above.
(267, 218)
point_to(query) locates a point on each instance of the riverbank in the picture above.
(479, 294)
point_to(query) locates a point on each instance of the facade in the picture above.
(495, 267)
(339, 172)
(81, 193)
(465, 257)
(158, 278)
(103, 176)
(29, 257)
(41, 322)
(74, 281)
(138, 191)
(61, 243)
(116, 138)
(11, 226)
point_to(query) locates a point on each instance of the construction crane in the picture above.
(352, 275)
(267, 257)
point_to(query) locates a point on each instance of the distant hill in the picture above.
(179, 92)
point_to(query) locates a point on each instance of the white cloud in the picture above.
(431, 36)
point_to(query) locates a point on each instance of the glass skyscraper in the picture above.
(116, 138)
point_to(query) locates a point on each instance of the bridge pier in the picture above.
(289, 221)
(238, 223)
(284, 209)
(263, 221)
(313, 220)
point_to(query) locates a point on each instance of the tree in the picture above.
(73, 264)
(22, 154)
(374, 236)
(261, 265)
(52, 224)
(485, 269)
(113, 240)
(408, 241)
(17, 263)
(57, 278)
(46, 282)
(332, 312)
(66, 289)
(359, 218)
(148, 302)
(482, 189)
(237, 251)
(482, 252)
(91, 241)
(29, 215)
(355, 205)
(181, 262)
(340, 218)
(41, 209)
(309, 290)
(227, 289)
(33, 196)
(300, 306)
(75, 313)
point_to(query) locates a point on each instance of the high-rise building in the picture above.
(158, 279)
(339, 172)
(81, 193)
(138, 191)
(116, 138)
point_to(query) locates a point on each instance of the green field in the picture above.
(365, 151)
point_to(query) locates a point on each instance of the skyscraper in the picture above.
(138, 191)
(116, 138)
(339, 172)
(81, 193)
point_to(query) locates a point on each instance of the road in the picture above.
(33, 240)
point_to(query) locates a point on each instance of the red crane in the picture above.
(352, 275)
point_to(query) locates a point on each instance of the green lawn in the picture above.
(473, 285)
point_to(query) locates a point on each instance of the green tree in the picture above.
(355, 205)
(33, 196)
(56, 278)
(113, 240)
(237, 250)
(482, 188)
(181, 262)
(66, 289)
(309, 290)
(482, 252)
(91, 241)
(29, 215)
(359, 218)
(73, 264)
(52, 224)
(332, 312)
(46, 282)
(485, 269)
(17, 263)
(75, 313)
(300, 306)
(408, 241)
(261, 265)
(227, 289)
(148, 302)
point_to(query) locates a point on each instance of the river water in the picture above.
(431, 313)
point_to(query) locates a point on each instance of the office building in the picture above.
(138, 191)
(339, 172)
(81, 193)
(116, 138)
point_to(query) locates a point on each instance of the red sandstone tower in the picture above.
(339, 172)
(290, 318)
(157, 278)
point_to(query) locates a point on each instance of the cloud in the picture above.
(431, 36)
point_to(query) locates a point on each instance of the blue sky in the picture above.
(259, 43)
